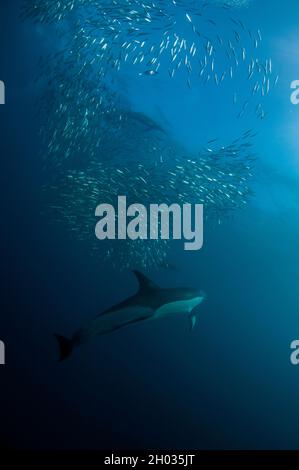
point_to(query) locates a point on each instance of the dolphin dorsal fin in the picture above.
(145, 284)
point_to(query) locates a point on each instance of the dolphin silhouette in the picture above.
(149, 303)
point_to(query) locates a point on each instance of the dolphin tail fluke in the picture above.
(65, 347)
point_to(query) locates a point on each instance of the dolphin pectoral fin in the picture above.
(192, 320)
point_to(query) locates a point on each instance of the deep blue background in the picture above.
(229, 384)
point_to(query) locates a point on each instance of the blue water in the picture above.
(229, 384)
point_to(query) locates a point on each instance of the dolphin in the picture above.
(148, 123)
(150, 302)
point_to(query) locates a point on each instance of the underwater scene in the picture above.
(150, 225)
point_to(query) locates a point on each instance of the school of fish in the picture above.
(218, 177)
(100, 147)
